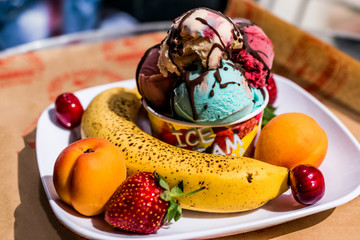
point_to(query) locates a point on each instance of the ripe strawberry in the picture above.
(144, 203)
(272, 89)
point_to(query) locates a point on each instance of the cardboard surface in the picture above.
(30, 82)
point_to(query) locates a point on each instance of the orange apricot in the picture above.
(87, 173)
(291, 139)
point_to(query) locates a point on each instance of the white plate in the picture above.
(341, 170)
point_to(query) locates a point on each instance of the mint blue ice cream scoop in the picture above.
(218, 96)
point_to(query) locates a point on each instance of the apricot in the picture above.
(291, 139)
(87, 173)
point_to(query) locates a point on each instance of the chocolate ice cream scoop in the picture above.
(152, 85)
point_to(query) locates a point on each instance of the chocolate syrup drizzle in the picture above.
(175, 47)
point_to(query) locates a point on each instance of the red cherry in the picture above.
(307, 184)
(272, 89)
(68, 110)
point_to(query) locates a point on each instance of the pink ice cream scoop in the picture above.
(257, 54)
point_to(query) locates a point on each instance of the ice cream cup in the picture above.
(236, 138)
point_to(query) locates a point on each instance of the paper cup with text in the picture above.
(236, 138)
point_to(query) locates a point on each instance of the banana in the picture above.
(232, 184)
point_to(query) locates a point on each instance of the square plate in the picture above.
(341, 171)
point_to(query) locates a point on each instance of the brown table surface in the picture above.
(30, 81)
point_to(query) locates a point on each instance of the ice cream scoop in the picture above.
(199, 35)
(152, 85)
(215, 96)
(257, 54)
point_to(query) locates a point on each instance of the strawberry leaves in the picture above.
(174, 210)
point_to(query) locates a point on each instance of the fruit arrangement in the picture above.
(231, 184)
(217, 183)
(138, 183)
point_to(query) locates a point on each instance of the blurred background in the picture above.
(24, 23)
(336, 22)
